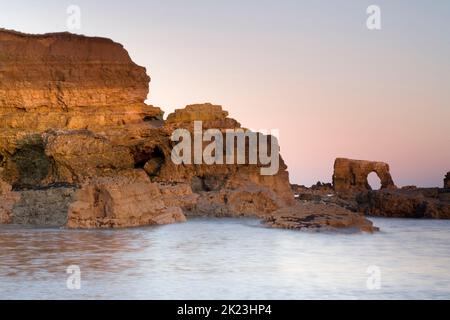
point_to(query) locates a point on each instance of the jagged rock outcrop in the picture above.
(213, 115)
(404, 202)
(75, 131)
(63, 71)
(351, 175)
(64, 81)
(447, 181)
(224, 189)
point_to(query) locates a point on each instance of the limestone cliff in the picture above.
(65, 82)
(50, 73)
(74, 127)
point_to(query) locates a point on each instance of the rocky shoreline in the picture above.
(79, 148)
(357, 196)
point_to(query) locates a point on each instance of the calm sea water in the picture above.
(228, 259)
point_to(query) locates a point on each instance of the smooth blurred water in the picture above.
(227, 259)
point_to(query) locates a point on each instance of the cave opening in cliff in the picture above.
(374, 181)
(150, 160)
(31, 163)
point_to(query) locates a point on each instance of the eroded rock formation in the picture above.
(351, 192)
(65, 82)
(224, 189)
(128, 199)
(447, 181)
(76, 136)
(351, 175)
(78, 155)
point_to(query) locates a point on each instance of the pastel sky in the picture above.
(308, 68)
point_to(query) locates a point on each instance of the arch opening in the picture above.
(374, 181)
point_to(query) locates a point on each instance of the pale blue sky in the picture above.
(309, 68)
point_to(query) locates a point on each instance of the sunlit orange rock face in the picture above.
(78, 138)
(66, 83)
(72, 112)
(49, 73)
(121, 201)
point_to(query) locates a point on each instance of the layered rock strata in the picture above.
(67, 83)
(77, 137)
